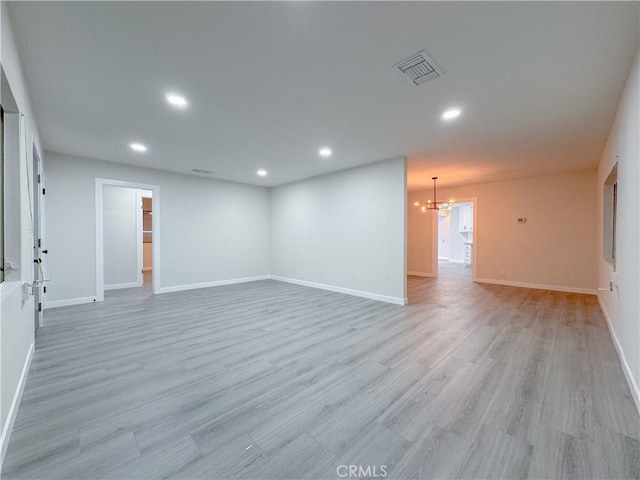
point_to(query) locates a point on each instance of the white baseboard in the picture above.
(347, 291)
(421, 274)
(633, 386)
(15, 404)
(218, 283)
(69, 302)
(117, 286)
(538, 286)
(451, 260)
(147, 269)
(443, 259)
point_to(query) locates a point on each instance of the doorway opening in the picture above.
(455, 235)
(127, 237)
(145, 203)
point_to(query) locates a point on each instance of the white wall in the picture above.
(121, 236)
(16, 314)
(345, 230)
(211, 231)
(456, 239)
(622, 306)
(422, 252)
(444, 235)
(555, 249)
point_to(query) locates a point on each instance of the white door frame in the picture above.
(139, 235)
(474, 248)
(155, 235)
(37, 205)
(42, 198)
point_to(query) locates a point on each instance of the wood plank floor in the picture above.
(271, 380)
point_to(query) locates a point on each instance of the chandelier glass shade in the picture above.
(434, 204)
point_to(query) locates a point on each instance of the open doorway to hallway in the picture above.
(124, 236)
(120, 236)
(455, 241)
(441, 248)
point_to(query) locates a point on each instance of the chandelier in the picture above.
(434, 205)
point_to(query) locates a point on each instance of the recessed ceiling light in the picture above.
(138, 147)
(176, 100)
(262, 172)
(451, 113)
(325, 152)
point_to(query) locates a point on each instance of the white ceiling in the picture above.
(270, 83)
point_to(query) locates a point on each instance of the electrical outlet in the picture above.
(502, 273)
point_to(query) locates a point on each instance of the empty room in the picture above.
(320, 240)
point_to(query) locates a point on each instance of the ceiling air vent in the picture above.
(203, 172)
(418, 68)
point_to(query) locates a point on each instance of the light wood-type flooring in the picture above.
(269, 380)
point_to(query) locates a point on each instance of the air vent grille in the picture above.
(203, 172)
(418, 68)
